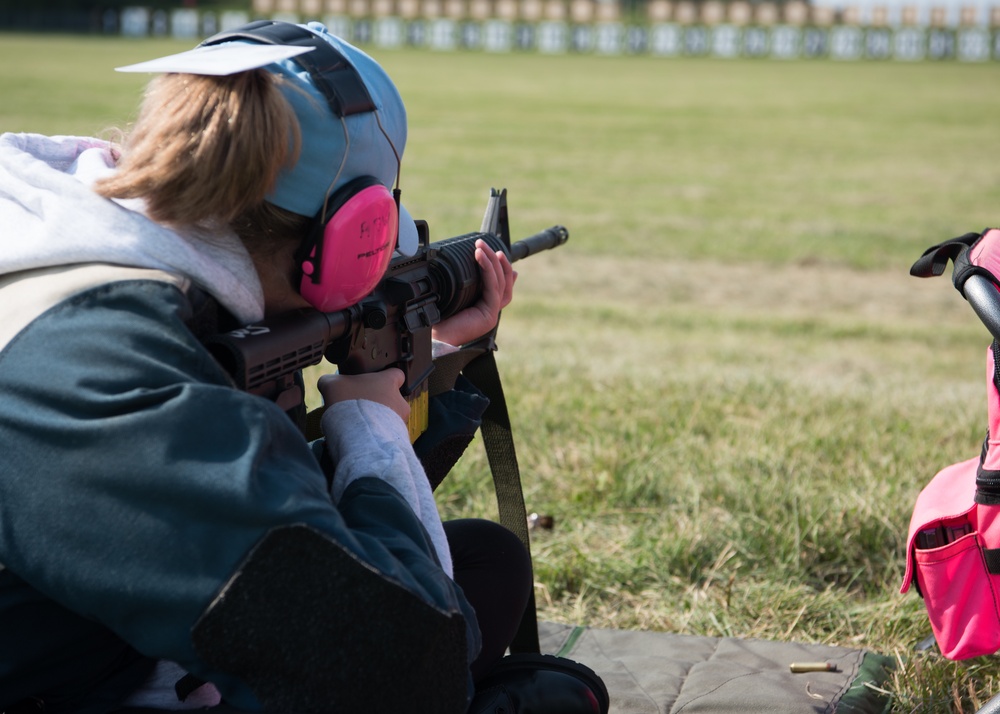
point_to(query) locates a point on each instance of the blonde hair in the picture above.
(205, 149)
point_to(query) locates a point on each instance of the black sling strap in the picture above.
(499, 443)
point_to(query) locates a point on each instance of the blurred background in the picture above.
(841, 29)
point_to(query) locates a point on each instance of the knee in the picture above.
(489, 544)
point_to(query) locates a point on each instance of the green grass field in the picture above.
(726, 388)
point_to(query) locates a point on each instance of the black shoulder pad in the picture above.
(310, 628)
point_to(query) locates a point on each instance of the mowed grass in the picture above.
(726, 389)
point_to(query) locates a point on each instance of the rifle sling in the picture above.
(499, 443)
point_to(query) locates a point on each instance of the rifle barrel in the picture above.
(262, 357)
(545, 240)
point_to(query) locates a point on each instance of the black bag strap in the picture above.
(935, 259)
(499, 443)
(992, 558)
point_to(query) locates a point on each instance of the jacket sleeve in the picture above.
(368, 439)
(137, 487)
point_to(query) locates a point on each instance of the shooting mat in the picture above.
(665, 673)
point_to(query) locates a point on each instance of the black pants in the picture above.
(493, 569)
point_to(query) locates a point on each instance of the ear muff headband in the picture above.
(348, 249)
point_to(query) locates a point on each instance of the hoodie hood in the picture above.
(51, 217)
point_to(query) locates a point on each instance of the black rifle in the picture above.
(392, 328)
(389, 328)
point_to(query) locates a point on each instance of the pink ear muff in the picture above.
(356, 247)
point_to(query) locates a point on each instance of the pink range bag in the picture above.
(953, 547)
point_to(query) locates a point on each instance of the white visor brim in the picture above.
(219, 60)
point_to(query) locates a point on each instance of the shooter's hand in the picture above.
(381, 387)
(498, 289)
